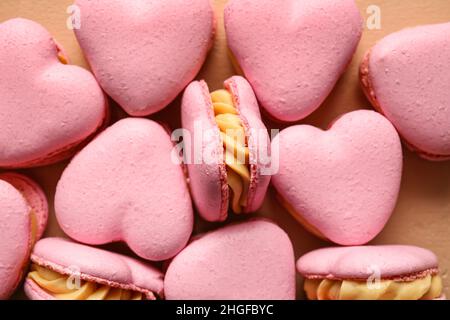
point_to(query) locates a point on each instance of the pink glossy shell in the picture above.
(208, 178)
(126, 186)
(46, 107)
(292, 52)
(246, 261)
(415, 99)
(387, 262)
(344, 181)
(95, 265)
(144, 53)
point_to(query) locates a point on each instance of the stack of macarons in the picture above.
(129, 182)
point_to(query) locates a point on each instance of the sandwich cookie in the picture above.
(389, 272)
(65, 270)
(228, 148)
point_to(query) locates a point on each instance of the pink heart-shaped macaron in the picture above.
(126, 186)
(406, 76)
(250, 260)
(47, 108)
(341, 184)
(291, 51)
(145, 52)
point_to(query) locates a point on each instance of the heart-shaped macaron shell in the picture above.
(23, 216)
(341, 184)
(126, 186)
(394, 272)
(407, 78)
(66, 270)
(251, 260)
(47, 108)
(144, 53)
(221, 123)
(292, 52)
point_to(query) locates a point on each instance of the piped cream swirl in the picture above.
(236, 151)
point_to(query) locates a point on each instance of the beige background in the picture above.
(422, 216)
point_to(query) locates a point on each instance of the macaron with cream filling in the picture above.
(48, 108)
(227, 148)
(387, 272)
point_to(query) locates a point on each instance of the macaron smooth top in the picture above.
(371, 272)
(292, 52)
(249, 260)
(234, 141)
(47, 108)
(341, 184)
(144, 53)
(23, 216)
(67, 270)
(125, 186)
(415, 99)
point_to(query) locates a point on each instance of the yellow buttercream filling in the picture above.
(427, 288)
(34, 227)
(236, 153)
(57, 285)
(62, 58)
